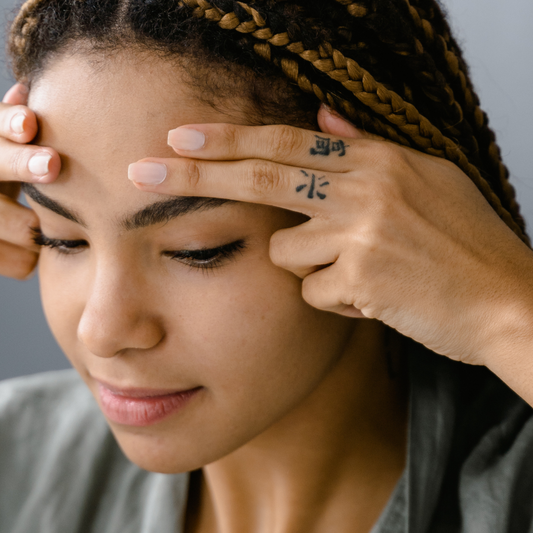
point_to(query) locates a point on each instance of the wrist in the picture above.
(508, 347)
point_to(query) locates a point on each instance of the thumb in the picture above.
(331, 122)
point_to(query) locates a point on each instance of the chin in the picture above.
(163, 454)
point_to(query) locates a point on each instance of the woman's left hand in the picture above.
(393, 234)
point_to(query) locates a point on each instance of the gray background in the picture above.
(498, 41)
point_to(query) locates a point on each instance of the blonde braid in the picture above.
(23, 25)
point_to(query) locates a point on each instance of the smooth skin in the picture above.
(402, 237)
(298, 425)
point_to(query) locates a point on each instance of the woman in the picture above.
(179, 301)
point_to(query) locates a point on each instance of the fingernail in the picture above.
(146, 172)
(17, 123)
(38, 164)
(186, 139)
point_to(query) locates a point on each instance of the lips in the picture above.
(141, 407)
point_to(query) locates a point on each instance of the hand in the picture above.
(393, 234)
(18, 125)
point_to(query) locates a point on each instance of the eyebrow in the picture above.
(157, 213)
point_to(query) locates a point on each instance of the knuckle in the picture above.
(264, 179)
(317, 291)
(231, 139)
(18, 164)
(279, 250)
(286, 140)
(392, 155)
(192, 173)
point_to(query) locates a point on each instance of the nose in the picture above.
(118, 314)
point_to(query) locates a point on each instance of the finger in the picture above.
(326, 291)
(253, 180)
(16, 222)
(304, 249)
(17, 123)
(17, 95)
(333, 123)
(28, 163)
(16, 262)
(280, 143)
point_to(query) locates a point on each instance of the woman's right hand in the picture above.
(20, 162)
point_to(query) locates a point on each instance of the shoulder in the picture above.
(40, 391)
(488, 459)
(43, 405)
(62, 469)
(496, 481)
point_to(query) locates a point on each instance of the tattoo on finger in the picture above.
(313, 186)
(325, 146)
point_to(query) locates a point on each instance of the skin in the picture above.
(18, 254)
(401, 237)
(298, 425)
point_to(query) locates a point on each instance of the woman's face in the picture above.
(130, 302)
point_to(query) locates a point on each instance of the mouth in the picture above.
(140, 406)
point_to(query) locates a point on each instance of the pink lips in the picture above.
(141, 407)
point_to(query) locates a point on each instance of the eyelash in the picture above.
(63, 246)
(202, 259)
(207, 258)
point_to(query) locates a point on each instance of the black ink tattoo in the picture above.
(325, 146)
(313, 186)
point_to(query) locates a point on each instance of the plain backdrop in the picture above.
(498, 41)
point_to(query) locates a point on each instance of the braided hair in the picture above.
(391, 67)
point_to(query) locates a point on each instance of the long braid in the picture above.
(256, 28)
(430, 78)
(365, 88)
(444, 46)
(466, 127)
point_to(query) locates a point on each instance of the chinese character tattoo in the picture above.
(324, 146)
(313, 186)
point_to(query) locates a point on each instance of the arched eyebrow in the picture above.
(157, 213)
(37, 196)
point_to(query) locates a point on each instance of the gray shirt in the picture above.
(469, 465)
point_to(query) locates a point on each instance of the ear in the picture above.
(330, 122)
(17, 95)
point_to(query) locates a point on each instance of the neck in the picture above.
(329, 465)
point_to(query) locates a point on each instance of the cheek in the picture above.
(258, 349)
(243, 332)
(62, 297)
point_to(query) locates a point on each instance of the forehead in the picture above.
(103, 113)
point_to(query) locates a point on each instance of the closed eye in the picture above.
(202, 258)
(63, 246)
(207, 258)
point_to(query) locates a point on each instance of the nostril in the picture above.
(112, 333)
